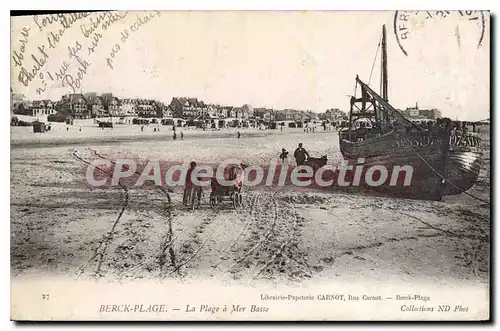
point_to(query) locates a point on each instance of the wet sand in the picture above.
(60, 227)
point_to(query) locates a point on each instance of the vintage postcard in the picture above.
(250, 165)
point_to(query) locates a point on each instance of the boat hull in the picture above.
(441, 164)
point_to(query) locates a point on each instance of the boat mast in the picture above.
(384, 65)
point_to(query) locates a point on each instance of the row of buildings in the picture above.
(91, 105)
(416, 113)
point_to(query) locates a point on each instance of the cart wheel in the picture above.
(240, 199)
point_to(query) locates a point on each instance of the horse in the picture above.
(316, 162)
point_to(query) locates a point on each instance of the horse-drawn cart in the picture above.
(220, 191)
(232, 192)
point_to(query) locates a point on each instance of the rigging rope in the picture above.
(413, 124)
(446, 179)
(373, 65)
(443, 177)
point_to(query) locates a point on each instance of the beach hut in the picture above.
(221, 124)
(140, 121)
(60, 118)
(39, 127)
(69, 119)
(167, 121)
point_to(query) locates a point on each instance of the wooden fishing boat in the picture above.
(445, 161)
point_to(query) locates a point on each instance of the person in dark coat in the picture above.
(300, 155)
(284, 154)
(186, 199)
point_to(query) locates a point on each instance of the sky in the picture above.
(281, 59)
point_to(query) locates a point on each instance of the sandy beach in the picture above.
(60, 227)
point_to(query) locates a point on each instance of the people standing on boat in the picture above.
(300, 155)
(430, 125)
(464, 128)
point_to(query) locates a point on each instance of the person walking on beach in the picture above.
(186, 198)
(175, 136)
(284, 156)
(239, 134)
(300, 155)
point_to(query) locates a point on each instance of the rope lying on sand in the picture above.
(451, 233)
(104, 242)
(169, 238)
(166, 192)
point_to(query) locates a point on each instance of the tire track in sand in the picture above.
(271, 251)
